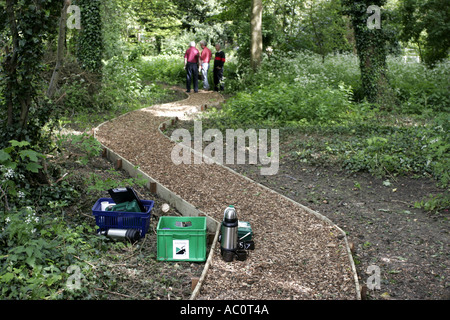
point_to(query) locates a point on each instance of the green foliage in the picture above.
(24, 27)
(122, 88)
(85, 143)
(16, 162)
(298, 95)
(36, 244)
(114, 15)
(419, 88)
(435, 203)
(334, 84)
(303, 100)
(125, 87)
(44, 252)
(382, 150)
(38, 252)
(96, 183)
(164, 68)
(177, 45)
(77, 95)
(157, 19)
(90, 41)
(425, 23)
(420, 150)
(318, 26)
(321, 100)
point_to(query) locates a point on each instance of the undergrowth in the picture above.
(320, 113)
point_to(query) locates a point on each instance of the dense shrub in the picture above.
(301, 100)
(420, 88)
(300, 93)
(166, 68)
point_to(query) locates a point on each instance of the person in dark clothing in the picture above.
(219, 61)
(191, 60)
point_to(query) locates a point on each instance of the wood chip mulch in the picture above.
(296, 256)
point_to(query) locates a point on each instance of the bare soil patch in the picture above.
(410, 246)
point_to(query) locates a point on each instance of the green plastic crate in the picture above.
(181, 243)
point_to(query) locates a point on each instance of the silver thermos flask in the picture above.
(229, 234)
(131, 235)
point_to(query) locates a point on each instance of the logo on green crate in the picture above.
(180, 249)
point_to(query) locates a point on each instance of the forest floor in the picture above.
(308, 260)
(409, 246)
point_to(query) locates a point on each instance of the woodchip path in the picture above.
(298, 254)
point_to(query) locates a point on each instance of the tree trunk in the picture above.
(60, 52)
(256, 30)
(372, 52)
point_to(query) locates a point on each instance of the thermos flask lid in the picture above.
(230, 214)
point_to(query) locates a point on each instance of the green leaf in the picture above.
(7, 277)
(71, 250)
(4, 156)
(20, 144)
(52, 279)
(33, 155)
(29, 251)
(31, 261)
(33, 167)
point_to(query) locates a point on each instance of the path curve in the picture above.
(298, 253)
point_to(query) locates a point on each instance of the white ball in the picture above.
(165, 208)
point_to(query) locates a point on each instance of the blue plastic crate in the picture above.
(122, 220)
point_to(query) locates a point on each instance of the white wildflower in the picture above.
(9, 173)
(434, 140)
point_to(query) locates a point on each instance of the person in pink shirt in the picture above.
(191, 60)
(205, 57)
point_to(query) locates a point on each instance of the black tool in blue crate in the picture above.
(123, 216)
(124, 195)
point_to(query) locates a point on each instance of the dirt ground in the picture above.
(410, 246)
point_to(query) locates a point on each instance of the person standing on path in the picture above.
(219, 61)
(191, 60)
(205, 57)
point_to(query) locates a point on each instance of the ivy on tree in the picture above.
(371, 48)
(90, 42)
(24, 27)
